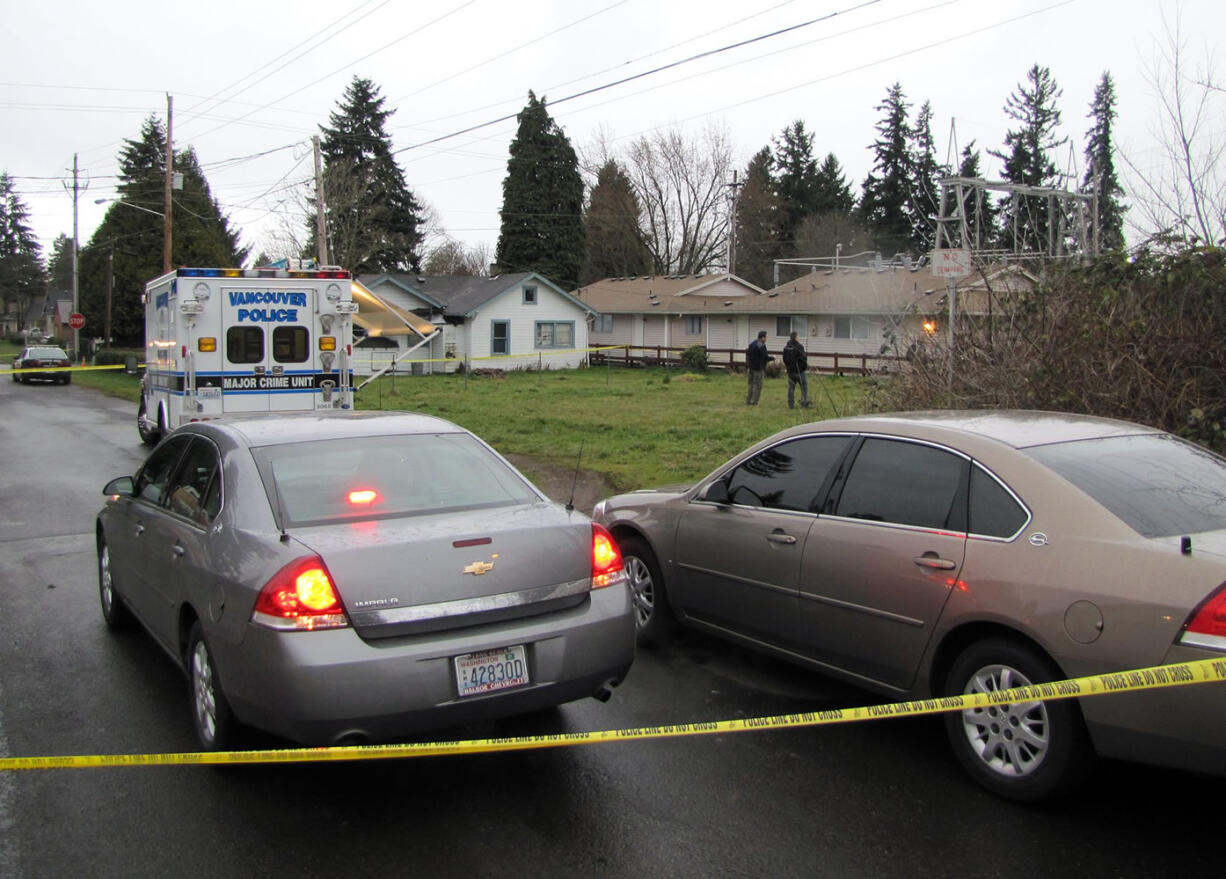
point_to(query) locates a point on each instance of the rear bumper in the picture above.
(1181, 727)
(320, 687)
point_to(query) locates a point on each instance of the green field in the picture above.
(637, 427)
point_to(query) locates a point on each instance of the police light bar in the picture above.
(264, 273)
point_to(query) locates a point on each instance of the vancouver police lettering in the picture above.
(244, 298)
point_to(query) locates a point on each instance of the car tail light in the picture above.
(300, 596)
(607, 568)
(363, 497)
(1206, 627)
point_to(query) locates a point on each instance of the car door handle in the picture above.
(932, 560)
(140, 529)
(177, 551)
(780, 537)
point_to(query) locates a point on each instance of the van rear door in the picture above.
(267, 334)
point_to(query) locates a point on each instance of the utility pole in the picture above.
(732, 226)
(110, 285)
(321, 226)
(170, 174)
(76, 272)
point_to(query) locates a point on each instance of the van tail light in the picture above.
(1206, 627)
(607, 567)
(299, 597)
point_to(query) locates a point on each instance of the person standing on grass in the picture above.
(797, 364)
(756, 358)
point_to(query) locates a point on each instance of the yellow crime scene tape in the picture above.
(1177, 675)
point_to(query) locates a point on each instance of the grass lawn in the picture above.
(637, 427)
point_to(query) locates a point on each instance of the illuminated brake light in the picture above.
(607, 567)
(1206, 627)
(363, 497)
(300, 596)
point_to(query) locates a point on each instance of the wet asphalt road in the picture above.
(877, 799)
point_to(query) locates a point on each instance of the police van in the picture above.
(231, 341)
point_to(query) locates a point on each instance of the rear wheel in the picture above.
(1026, 751)
(114, 611)
(66, 379)
(653, 617)
(211, 713)
(149, 434)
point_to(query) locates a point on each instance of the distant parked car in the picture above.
(957, 552)
(47, 357)
(359, 577)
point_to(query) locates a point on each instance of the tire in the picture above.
(211, 715)
(148, 435)
(114, 612)
(1024, 752)
(66, 380)
(653, 616)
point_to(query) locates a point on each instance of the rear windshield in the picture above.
(49, 353)
(1159, 485)
(385, 476)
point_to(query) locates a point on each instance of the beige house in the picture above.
(850, 314)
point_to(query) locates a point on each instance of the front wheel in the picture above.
(653, 617)
(211, 713)
(149, 434)
(1027, 751)
(114, 611)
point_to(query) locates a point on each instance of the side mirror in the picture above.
(121, 486)
(717, 492)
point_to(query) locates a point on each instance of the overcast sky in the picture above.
(251, 83)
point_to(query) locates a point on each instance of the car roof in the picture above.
(1013, 427)
(268, 430)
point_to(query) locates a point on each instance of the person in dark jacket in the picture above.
(756, 358)
(796, 362)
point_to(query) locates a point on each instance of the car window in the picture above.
(384, 476)
(189, 488)
(787, 476)
(995, 512)
(154, 476)
(1159, 485)
(905, 483)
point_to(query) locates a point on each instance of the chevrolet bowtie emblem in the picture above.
(479, 568)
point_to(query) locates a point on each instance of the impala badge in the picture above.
(479, 568)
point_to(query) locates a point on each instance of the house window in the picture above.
(555, 334)
(500, 337)
(529, 294)
(603, 323)
(850, 328)
(693, 326)
(783, 326)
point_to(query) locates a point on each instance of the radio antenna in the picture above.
(570, 504)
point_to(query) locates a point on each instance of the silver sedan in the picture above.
(359, 577)
(951, 552)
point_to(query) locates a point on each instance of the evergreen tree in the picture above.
(758, 211)
(615, 244)
(59, 265)
(542, 202)
(798, 184)
(372, 220)
(127, 248)
(22, 278)
(833, 190)
(925, 201)
(1027, 157)
(1100, 167)
(886, 192)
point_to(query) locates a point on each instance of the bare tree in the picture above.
(1181, 195)
(451, 257)
(681, 184)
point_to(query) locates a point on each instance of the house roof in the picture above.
(462, 295)
(846, 291)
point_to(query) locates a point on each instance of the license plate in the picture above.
(491, 670)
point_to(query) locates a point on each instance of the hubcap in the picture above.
(202, 690)
(104, 580)
(642, 590)
(1011, 740)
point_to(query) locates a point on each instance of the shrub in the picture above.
(695, 358)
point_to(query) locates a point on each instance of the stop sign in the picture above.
(76, 320)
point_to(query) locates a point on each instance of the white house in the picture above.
(435, 324)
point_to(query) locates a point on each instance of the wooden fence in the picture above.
(734, 358)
